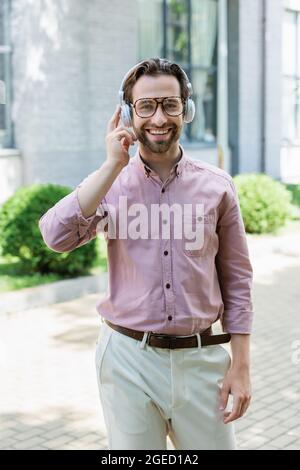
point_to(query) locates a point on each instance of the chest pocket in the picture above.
(197, 234)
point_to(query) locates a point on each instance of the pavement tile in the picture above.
(291, 422)
(283, 441)
(268, 422)
(29, 443)
(58, 442)
(292, 447)
(261, 414)
(268, 447)
(276, 406)
(23, 436)
(274, 432)
(7, 443)
(253, 442)
(54, 433)
(6, 433)
(294, 432)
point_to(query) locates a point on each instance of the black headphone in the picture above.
(126, 110)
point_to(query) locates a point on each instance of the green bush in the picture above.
(20, 235)
(295, 191)
(265, 203)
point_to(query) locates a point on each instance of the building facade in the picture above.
(63, 61)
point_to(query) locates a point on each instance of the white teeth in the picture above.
(158, 132)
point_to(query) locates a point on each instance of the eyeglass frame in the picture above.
(161, 100)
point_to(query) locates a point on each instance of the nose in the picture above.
(159, 118)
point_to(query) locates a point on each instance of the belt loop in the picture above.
(144, 340)
(199, 340)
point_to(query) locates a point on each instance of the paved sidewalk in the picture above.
(49, 397)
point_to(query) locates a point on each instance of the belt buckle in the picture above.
(160, 335)
(157, 335)
(170, 338)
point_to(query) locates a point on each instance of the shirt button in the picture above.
(169, 317)
(168, 286)
(200, 219)
(165, 221)
(166, 253)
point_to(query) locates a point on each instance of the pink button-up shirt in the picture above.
(159, 283)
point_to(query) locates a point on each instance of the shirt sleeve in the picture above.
(64, 228)
(233, 266)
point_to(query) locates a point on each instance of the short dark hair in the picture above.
(155, 67)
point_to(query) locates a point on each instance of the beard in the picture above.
(158, 146)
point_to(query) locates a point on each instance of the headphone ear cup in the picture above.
(189, 111)
(126, 115)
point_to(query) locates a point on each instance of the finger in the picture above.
(125, 133)
(236, 410)
(127, 129)
(245, 406)
(114, 121)
(125, 144)
(224, 395)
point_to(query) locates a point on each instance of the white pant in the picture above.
(147, 393)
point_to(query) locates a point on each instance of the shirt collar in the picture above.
(177, 168)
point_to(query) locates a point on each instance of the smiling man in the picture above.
(160, 369)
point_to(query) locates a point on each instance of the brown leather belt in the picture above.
(158, 340)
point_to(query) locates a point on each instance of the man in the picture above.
(160, 370)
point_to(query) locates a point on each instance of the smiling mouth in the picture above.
(158, 132)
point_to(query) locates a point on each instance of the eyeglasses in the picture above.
(146, 107)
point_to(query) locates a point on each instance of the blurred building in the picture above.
(62, 62)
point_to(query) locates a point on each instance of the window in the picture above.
(291, 76)
(185, 31)
(5, 64)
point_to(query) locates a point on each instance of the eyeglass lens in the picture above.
(147, 107)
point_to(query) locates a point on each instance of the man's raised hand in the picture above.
(118, 140)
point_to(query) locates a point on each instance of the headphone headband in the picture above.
(121, 90)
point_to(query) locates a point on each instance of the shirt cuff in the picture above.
(237, 322)
(68, 211)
